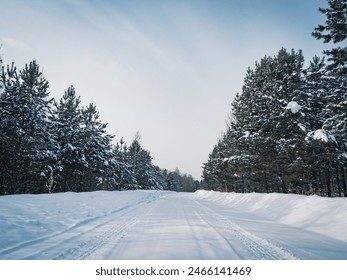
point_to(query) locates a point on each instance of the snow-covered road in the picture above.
(150, 225)
(180, 227)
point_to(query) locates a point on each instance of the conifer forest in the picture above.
(287, 130)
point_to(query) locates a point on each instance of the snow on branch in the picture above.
(320, 135)
(293, 106)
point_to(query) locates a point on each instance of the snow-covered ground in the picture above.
(168, 225)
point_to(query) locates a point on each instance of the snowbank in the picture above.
(318, 214)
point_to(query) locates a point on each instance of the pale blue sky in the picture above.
(169, 69)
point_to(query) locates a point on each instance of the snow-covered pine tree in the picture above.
(142, 167)
(67, 120)
(335, 30)
(209, 172)
(335, 121)
(124, 179)
(27, 145)
(251, 111)
(227, 161)
(319, 146)
(2, 159)
(164, 173)
(178, 180)
(173, 181)
(335, 126)
(160, 177)
(317, 88)
(267, 115)
(237, 160)
(189, 184)
(99, 162)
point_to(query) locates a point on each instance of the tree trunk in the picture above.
(265, 181)
(284, 187)
(307, 182)
(338, 181)
(328, 183)
(343, 177)
(320, 188)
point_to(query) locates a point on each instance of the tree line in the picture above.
(49, 145)
(288, 127)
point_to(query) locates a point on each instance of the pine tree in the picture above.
(142, 167)
(209, 172)
(67, 120)
(334, 30)
(124, 177)
(27, 145)
(99, 160)
(173, 181)
(335, 121)
(266, 122)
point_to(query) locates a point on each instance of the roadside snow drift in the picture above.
(318, 214)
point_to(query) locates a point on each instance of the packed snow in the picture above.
(169, 225)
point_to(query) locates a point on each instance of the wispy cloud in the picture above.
(16, 44)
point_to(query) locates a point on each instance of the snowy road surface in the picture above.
(151, 225)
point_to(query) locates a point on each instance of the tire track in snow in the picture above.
(201, 238)
(115, 241)
(112, 228)
(82, 230)
(77, 226)
(85, 248)
(260, 248)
